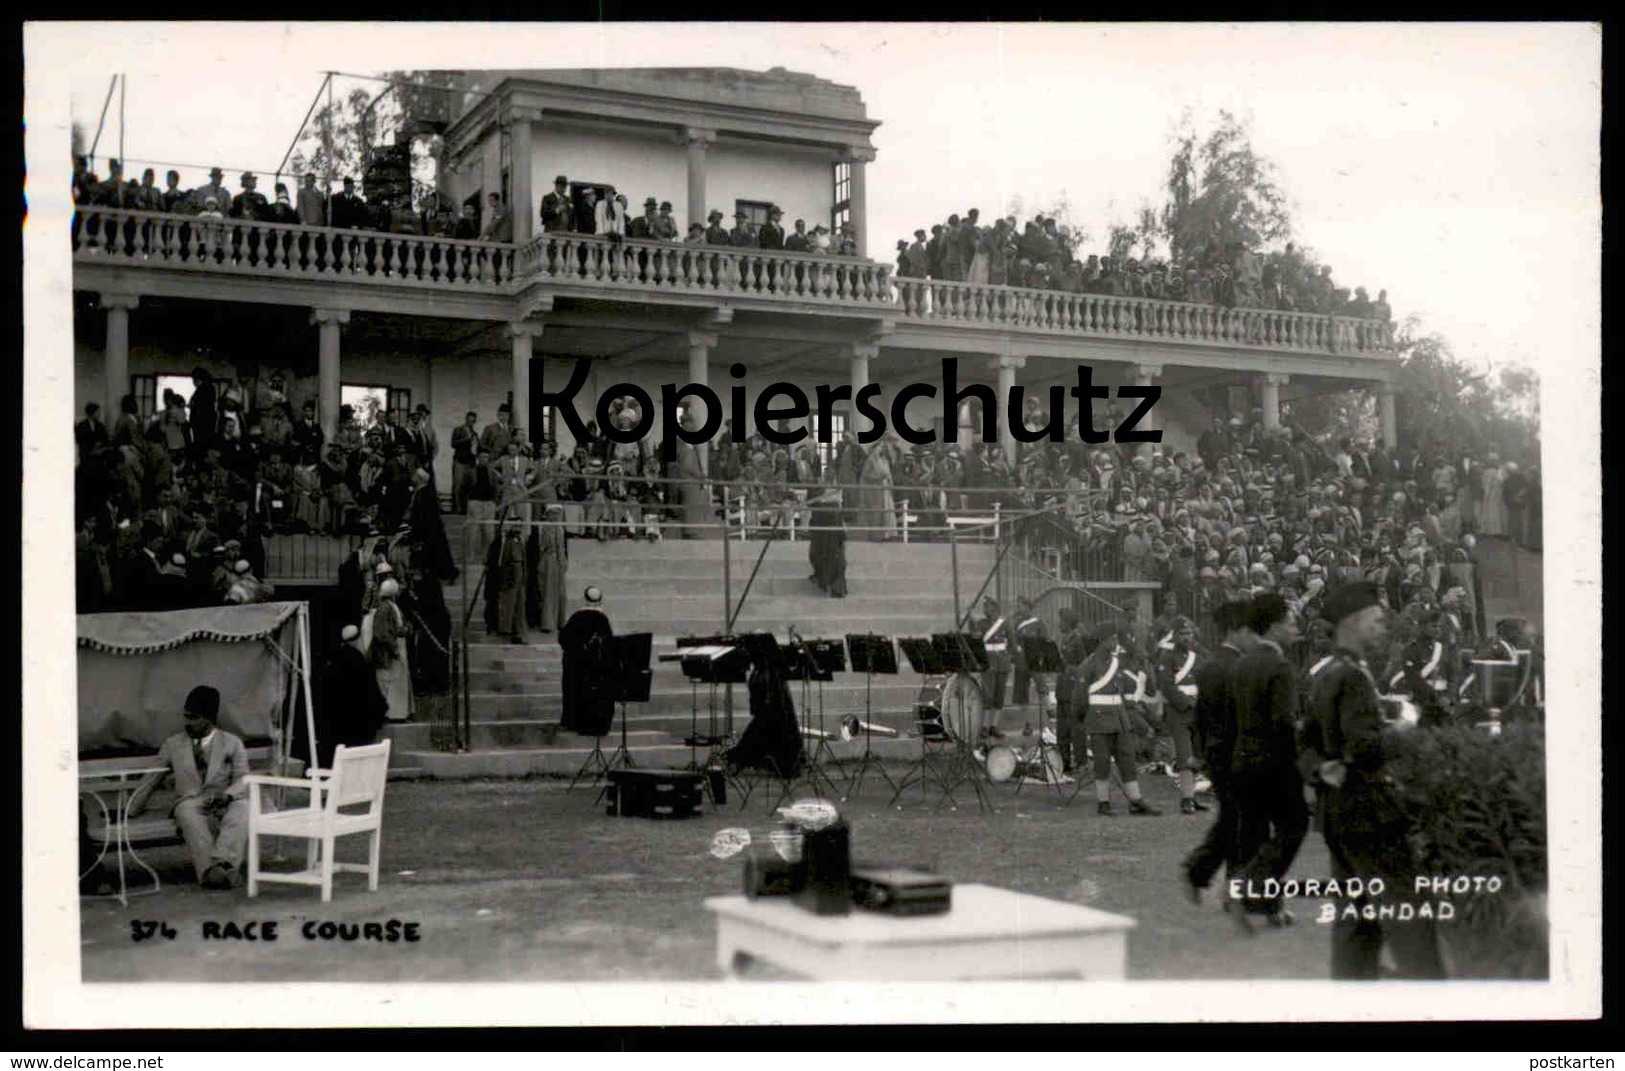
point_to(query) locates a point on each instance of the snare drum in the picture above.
(955, 703)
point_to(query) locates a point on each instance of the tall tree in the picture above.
(412, 106)
(1221, 192)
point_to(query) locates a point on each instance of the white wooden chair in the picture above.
(356, 780)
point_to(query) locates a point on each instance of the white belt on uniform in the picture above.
(1105, 700)
(994, 648)
(1188, 689)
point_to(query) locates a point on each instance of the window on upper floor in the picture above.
(755, 211)
(841, 205)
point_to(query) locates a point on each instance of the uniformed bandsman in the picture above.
(1423, 675)
(1176, 667)
(1110, 723)
(1214, 723)
(1027, 622)
(996, 633)
(1362, 820)
(1072, 696)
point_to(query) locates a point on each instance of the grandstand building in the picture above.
(459, 325)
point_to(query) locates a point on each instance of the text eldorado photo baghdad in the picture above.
(799, 407)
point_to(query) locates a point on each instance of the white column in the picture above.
(862, 353)
(1386, 417)
(116, 356)
(328, 324)
(1146, 375)
(700, 344)
(1270, 389)
(1007, 386)
(522, 333)
(698, 142)
(857, 159)
(525, 208)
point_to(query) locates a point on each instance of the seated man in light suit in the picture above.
(209, 766)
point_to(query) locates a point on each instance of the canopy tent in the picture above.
(135, 670)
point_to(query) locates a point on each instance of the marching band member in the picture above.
(1111, 692)
(1214, 719)
(996, 638)
(1363, 823)
(1176, 666)
(1423, 671)
(1026, 618)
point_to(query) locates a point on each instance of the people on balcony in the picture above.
(1040, 255)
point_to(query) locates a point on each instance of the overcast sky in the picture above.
(1455, 166)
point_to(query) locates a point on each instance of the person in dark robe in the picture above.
(430, 642)
(505, 586)
(698, 519)
(201, 412)
(586, 640)
(424, 516)
(533, 584)
(827, 543)
(349, 707)
(772, 739)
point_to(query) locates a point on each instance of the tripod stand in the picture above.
(1044, 662)
(626, 679)
(870, 760)
(955, 710)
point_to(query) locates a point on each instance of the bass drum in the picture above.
(954, 702)
(1001, 764)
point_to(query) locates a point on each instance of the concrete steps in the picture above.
(672, 589)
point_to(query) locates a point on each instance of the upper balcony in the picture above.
(190, 256)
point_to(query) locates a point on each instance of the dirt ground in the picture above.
(525, 881)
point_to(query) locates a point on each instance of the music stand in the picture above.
(926, 659)
(709, 660)
(1043, 655)
(871, 654)
(626, 679)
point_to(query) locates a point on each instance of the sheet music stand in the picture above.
(799, 666)
(872, 653)
(960, 766)
(1043, 655)
(626, 681)
(731, 666)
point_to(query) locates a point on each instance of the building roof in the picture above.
(777, 89)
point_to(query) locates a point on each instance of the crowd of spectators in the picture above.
(1042, 254)
(173, 510)
(609, 213)
(307, 205)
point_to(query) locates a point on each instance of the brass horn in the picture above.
(852, 728)
(817, 734)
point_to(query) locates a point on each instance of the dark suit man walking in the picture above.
(1271, 819)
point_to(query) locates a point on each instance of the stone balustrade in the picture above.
(247, 248)
(721, 270)
(1101, 315)
(244, 247)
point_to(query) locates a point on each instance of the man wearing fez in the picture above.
(588, 643)
(1363, 821)
(1214, 722)
(1271, 820)
(556, 208)
(494, 439)
(349, 707)
(208, 766)
(348, 211)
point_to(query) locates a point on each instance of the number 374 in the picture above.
(142, 930)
